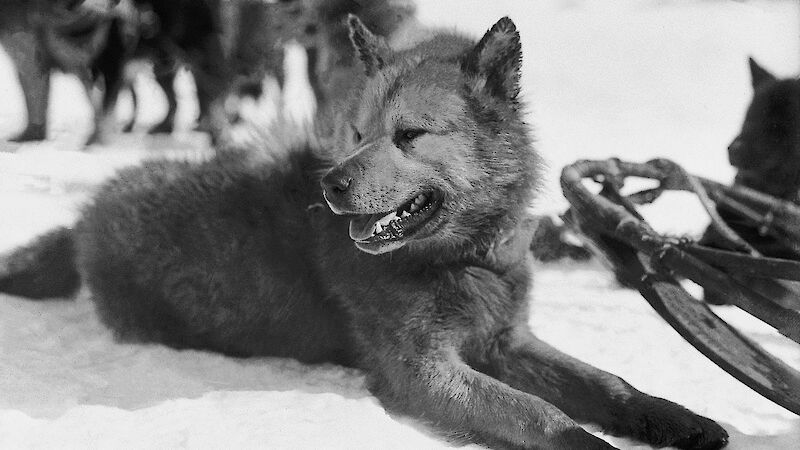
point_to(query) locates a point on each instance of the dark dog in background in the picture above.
(188, 33)
(96, 44)
(767, 151)
(66, 35)
(229, 46)
(766, 154)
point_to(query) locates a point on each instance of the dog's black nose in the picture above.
(336, 183)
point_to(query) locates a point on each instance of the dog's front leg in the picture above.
(27, 52)
(442, 390)
(589, 394)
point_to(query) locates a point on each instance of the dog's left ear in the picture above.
(370, 48)
(497, 59)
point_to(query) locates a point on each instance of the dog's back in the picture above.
(160, 237)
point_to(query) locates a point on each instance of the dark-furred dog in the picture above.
(95, 43)
(766, 154)
(398, 245)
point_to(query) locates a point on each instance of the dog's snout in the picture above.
(735, 150)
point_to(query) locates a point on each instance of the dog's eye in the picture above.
(356, 134)
(410, 135)
(403, 137)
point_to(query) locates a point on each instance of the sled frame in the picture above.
(653, 264)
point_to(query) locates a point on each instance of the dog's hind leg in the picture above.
(589, 394)
(453, 397)
(43, 269)
(34, 76)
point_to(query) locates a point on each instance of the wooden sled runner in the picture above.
(653, 264)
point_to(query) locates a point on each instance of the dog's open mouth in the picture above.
(380, 233)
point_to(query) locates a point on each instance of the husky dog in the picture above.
(397, 244)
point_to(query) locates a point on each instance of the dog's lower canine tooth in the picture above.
(378, 227)
(406, 214)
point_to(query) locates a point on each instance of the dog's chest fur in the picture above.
(408, 305)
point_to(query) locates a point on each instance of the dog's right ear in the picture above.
(369, 48)
(758, 74)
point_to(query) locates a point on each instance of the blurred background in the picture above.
(631, 79)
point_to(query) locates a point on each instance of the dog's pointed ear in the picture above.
(370, 49)
(758, 74)
(497, 59)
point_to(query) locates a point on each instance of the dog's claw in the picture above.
(662, 423)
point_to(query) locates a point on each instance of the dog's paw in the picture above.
(662, 423)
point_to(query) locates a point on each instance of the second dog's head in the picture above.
(767, 151)
(432, 150)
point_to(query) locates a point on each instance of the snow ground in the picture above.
(634, 79)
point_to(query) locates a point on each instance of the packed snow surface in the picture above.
(634, 79)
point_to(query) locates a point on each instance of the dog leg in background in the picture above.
(591, 395)
(164, 70)
(443, 390)
(110, 67)
(34, 76)
(90, 85)
(209, 68)
(129, 85)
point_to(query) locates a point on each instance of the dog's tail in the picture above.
(42, 269)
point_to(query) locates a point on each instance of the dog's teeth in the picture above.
(414, 207)
(420, 199)
(406, 214)
(378, 227)
(387, 218)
